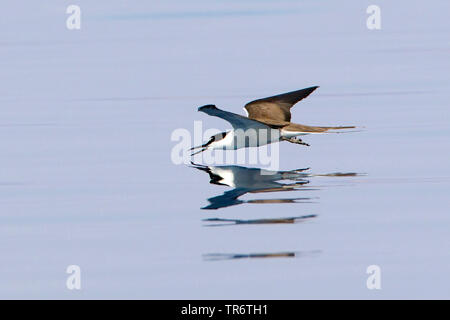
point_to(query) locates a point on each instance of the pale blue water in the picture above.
(86, 176)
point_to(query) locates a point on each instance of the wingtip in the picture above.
(207, 106)
(309, 90)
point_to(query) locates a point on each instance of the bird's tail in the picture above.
(294, 127)
(343, 129)
(338, 128)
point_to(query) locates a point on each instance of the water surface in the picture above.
(86, 175)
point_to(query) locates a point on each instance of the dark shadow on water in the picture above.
(218, 222)
(265, 255)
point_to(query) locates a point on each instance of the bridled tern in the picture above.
(268, 120)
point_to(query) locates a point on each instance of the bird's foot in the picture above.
(295, 140)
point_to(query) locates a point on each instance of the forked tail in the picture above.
(338, 128)
(294, 127)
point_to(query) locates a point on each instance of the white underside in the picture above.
(290, 134)
(232, 141)
(226, 175)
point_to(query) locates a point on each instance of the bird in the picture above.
(245, 180)
(268, 120)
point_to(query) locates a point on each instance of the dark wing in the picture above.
(227, 199)
(237, 121)
(276, 107)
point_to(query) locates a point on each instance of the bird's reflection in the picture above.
(252, 180)
(285, 254)
(216, 222)
(245, 180)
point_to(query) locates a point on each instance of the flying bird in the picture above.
(268, 120)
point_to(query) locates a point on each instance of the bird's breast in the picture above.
(244, 139)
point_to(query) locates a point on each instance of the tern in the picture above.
(268, 120)
(246, 180)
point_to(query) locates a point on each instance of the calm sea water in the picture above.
(86, 176)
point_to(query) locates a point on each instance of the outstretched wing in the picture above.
(227, 199)
(237, 121)
(276, 107)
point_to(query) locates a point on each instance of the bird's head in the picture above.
(213, 139)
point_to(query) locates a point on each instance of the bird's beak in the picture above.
(195, 148)
(193, 154)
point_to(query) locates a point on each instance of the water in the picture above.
(87, 179)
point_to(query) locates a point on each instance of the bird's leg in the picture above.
(295, 140)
